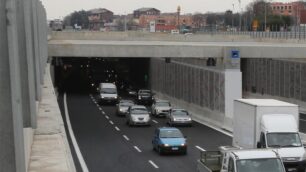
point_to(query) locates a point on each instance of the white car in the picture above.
(138, 115)
(161, 108)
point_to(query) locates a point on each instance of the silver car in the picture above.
(123, 106)
(179, 117)
(138, 115)
(161, 108)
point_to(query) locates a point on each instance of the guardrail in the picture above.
(300, 35)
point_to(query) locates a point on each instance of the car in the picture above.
(108, 93)
(123, 106)
(145, 96)
(169, 140)
(179, 117)
(138, 115)
(160, 108)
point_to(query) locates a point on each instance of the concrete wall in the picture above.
(191, 86)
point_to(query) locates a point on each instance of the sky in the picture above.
(60, 8)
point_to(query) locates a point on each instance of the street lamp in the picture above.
(266, 13)
(240, 15)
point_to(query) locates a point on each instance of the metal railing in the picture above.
(299, 34)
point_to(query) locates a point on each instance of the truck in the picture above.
(269, 123)
(233, 159)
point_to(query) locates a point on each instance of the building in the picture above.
(292, 9)
(146, 11)
(165, 22)
(98, 17)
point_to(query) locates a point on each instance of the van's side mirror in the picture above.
(259, 145)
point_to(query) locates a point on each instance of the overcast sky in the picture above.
(60, 8)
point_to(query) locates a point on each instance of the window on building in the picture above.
(285, 7)
(278, 7)
(290, 11)
(290, 7)
(282, 7)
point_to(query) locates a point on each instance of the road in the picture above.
(108, 144)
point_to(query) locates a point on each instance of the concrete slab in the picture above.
(50, 150)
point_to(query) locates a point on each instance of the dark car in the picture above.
(145, 97)
(169, 139)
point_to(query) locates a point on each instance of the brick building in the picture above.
(293, 9)
(98, 17)
(146, 11)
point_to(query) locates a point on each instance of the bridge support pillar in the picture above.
(232, 85)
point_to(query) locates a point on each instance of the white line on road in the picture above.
(153, 164)
(107, 117)
(155, 121)
(100, 108)
(111, 122)
(103, 112)
(126, 138)
(117, 128)
(137, 149)
(201, 149)
(74, 142)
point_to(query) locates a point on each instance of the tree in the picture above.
(199, 20)
(78, 17)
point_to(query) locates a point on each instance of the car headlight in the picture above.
(183, 144)
(166, 145)
(158, 110)
(139, 97)
(174, 119)
(189, 119)
(102, 97)
(120, 109)
(115, 97)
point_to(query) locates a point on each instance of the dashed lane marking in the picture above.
(153, 164)
(137, 149)
(201, 149)
(126, 138)
(107, 117)
(118, 129)
(111, 122)
(155, 121)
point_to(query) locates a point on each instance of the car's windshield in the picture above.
(126, 104)
(163, 104)
(179, 113)
(260, 165)
(283, 140)
(170, 134)
(108, 91)
(136, 111)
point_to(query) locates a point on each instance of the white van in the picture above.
(108, 93)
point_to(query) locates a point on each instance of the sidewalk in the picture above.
(50, 149)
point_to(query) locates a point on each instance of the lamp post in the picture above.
(269, 1)
(178, 17)
(240, 14)
(233, 17)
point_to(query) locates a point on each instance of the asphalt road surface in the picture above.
(108, 144)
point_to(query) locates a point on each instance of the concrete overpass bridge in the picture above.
(99, 44)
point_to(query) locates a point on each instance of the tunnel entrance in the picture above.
(84, 74)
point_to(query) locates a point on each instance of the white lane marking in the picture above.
(111, 122)
(155, 121)
(201, 149)
(137, 149)
(153, 164)
(117, 128)
(74, 142)
(103, 112)
(100, 108)
(107, 117)
(126, 138)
